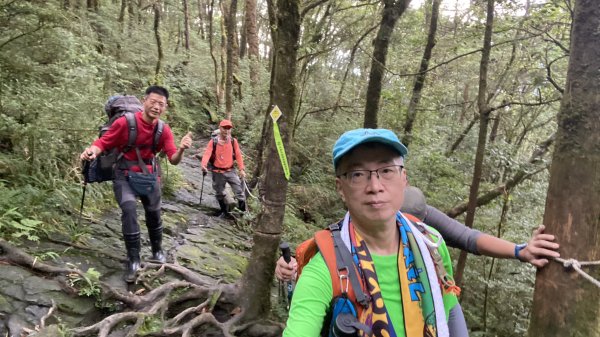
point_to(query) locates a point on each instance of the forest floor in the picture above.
(37, 296)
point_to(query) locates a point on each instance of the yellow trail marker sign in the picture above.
(275, 114)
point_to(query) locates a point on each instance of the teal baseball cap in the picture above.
(353, 138)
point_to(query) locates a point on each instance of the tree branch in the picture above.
(463, 55)
(517, 178)
(311, 6)
(39, 27)
(549, 75)
(503, 105)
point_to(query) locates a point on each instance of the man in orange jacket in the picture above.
(219, 157)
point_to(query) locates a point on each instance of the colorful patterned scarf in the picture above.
(422, 301)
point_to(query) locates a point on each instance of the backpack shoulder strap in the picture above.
(304, 252)
(132, 127)
(412, 217)
(158, 130)
(233, 142)
(344, 274)
(215, 142)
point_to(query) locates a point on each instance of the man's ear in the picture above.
(338, 187)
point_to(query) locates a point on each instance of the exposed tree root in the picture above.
(183, 306)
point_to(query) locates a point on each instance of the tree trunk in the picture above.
(486, 292)
(121, 18)
(223, 54)
(186, 26)
(484, 116)
(230, 20)
(92, 5)
(392, 11)
(211, 47)
(564, 303)
(266, 133)
(411, 113)
(158, 70)
(132, 17)
(252, 40)
(201, 19)
(256, 281)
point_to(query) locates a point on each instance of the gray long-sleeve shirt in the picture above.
(454, 233)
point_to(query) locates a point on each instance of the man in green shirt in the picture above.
(396, 261)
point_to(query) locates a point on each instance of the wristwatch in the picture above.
(518, 249)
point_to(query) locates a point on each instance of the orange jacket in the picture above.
(224, 155)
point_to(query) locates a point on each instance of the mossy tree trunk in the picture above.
(160, 55)
(186, 26)
(256, 281)
(230, 20)
(252, 40)
(564, 303)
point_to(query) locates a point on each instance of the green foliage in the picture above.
(47, 255)
(13, 225)
(87, 284)
(152, 324)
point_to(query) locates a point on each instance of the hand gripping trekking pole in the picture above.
(287, 257)
(202, 187)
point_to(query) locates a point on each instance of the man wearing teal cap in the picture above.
(400, 264)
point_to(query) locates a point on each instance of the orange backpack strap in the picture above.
(412, 217)
(304, 252)
(344, 279)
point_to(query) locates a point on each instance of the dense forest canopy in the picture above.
(60, 60)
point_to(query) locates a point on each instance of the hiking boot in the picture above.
(131, 272)
(155, 235)
(132, 243)
(223, 212)
(159, 256)
(242, 205)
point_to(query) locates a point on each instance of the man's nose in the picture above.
(374, 182)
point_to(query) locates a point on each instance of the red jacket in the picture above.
(118, 134)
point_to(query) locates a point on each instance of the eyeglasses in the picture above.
(160, 104)
(361, 177)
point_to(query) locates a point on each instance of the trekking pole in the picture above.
(84, 170)
(287, 257)
(202, 187)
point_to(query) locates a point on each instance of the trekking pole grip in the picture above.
(285, 251)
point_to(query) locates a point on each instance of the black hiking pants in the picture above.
(127, 200)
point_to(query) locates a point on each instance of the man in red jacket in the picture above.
(154, 105)
(219, 156)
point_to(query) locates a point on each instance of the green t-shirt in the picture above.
(314, 292)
